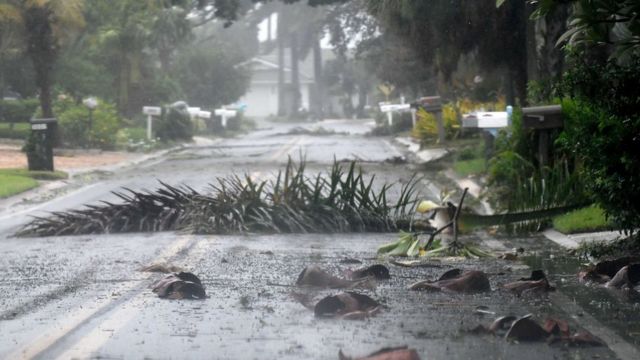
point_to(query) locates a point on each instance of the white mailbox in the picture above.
(204, 114)
(486, 120)
(152, 110)
(193, 111)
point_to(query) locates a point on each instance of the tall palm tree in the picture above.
(46, 24)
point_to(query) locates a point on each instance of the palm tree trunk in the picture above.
(281, 64)
(319, 80)
(295, 75)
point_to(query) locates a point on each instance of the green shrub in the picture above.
(175, 123)
(77, 130)
(17, 110)
(17, 131)
(603, 131)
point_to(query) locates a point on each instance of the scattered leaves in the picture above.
(348, 305)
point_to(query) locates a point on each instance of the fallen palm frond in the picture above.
(341, 200)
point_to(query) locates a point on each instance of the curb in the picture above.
(42, 190)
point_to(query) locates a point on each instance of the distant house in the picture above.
(262, 97)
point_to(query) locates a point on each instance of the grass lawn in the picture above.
(587, 219)
(20, 131)
(15, 181)
(13, 184)
(465, 168)
(37, 175)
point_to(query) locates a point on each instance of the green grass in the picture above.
(587, 219)
(36, 175)
(465, 168)
(20, 131)
(15, 181)
(13, 184)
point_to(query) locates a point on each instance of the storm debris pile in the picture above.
(526, 329)
(341, 200)
(618, 273)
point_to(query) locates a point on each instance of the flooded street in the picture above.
(83, 296)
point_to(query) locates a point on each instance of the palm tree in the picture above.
(45, 25)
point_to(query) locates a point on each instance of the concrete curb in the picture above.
(572, 241)
(423, 156)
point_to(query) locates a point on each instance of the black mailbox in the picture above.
(40, 144)
(431, 104)
(543, 117)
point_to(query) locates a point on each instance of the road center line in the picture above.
(90, 308)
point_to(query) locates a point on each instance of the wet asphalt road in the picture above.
(82, 297)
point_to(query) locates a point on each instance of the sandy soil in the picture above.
(12, 157)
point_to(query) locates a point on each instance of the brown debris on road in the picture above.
(398, 353)
(347, 305)
(456, 280)
(618, 273)
(181, 285)
(537, 283)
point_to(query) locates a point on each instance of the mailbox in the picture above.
(40, 144)
(486, 120)
(429, 103)
(543, 117)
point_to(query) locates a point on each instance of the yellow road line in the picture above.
(118, 319)
(89, 309)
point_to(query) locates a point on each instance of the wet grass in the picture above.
(37, 175)
(16, 181)
(12, 184)
(340, 200)
(465, 168)
(590, 218)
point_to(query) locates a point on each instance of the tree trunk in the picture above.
(295, 75)
(42, 51)
(319, 80)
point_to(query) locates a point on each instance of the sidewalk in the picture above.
(568, 241)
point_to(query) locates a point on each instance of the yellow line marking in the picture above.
(118, 319)
(88, 309)
(89, 344)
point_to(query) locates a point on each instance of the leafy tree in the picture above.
(209, 76)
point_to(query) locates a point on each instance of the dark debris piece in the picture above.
(537, 283)
(456, 280)
(181, 285)
(378, 271)
(348, 304)
(397, 353)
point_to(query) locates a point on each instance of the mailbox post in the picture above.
(433, 104)
(151, 111)
(40, 144)
(543, 119)
(224, 115)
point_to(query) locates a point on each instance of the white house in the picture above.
(262, 96)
